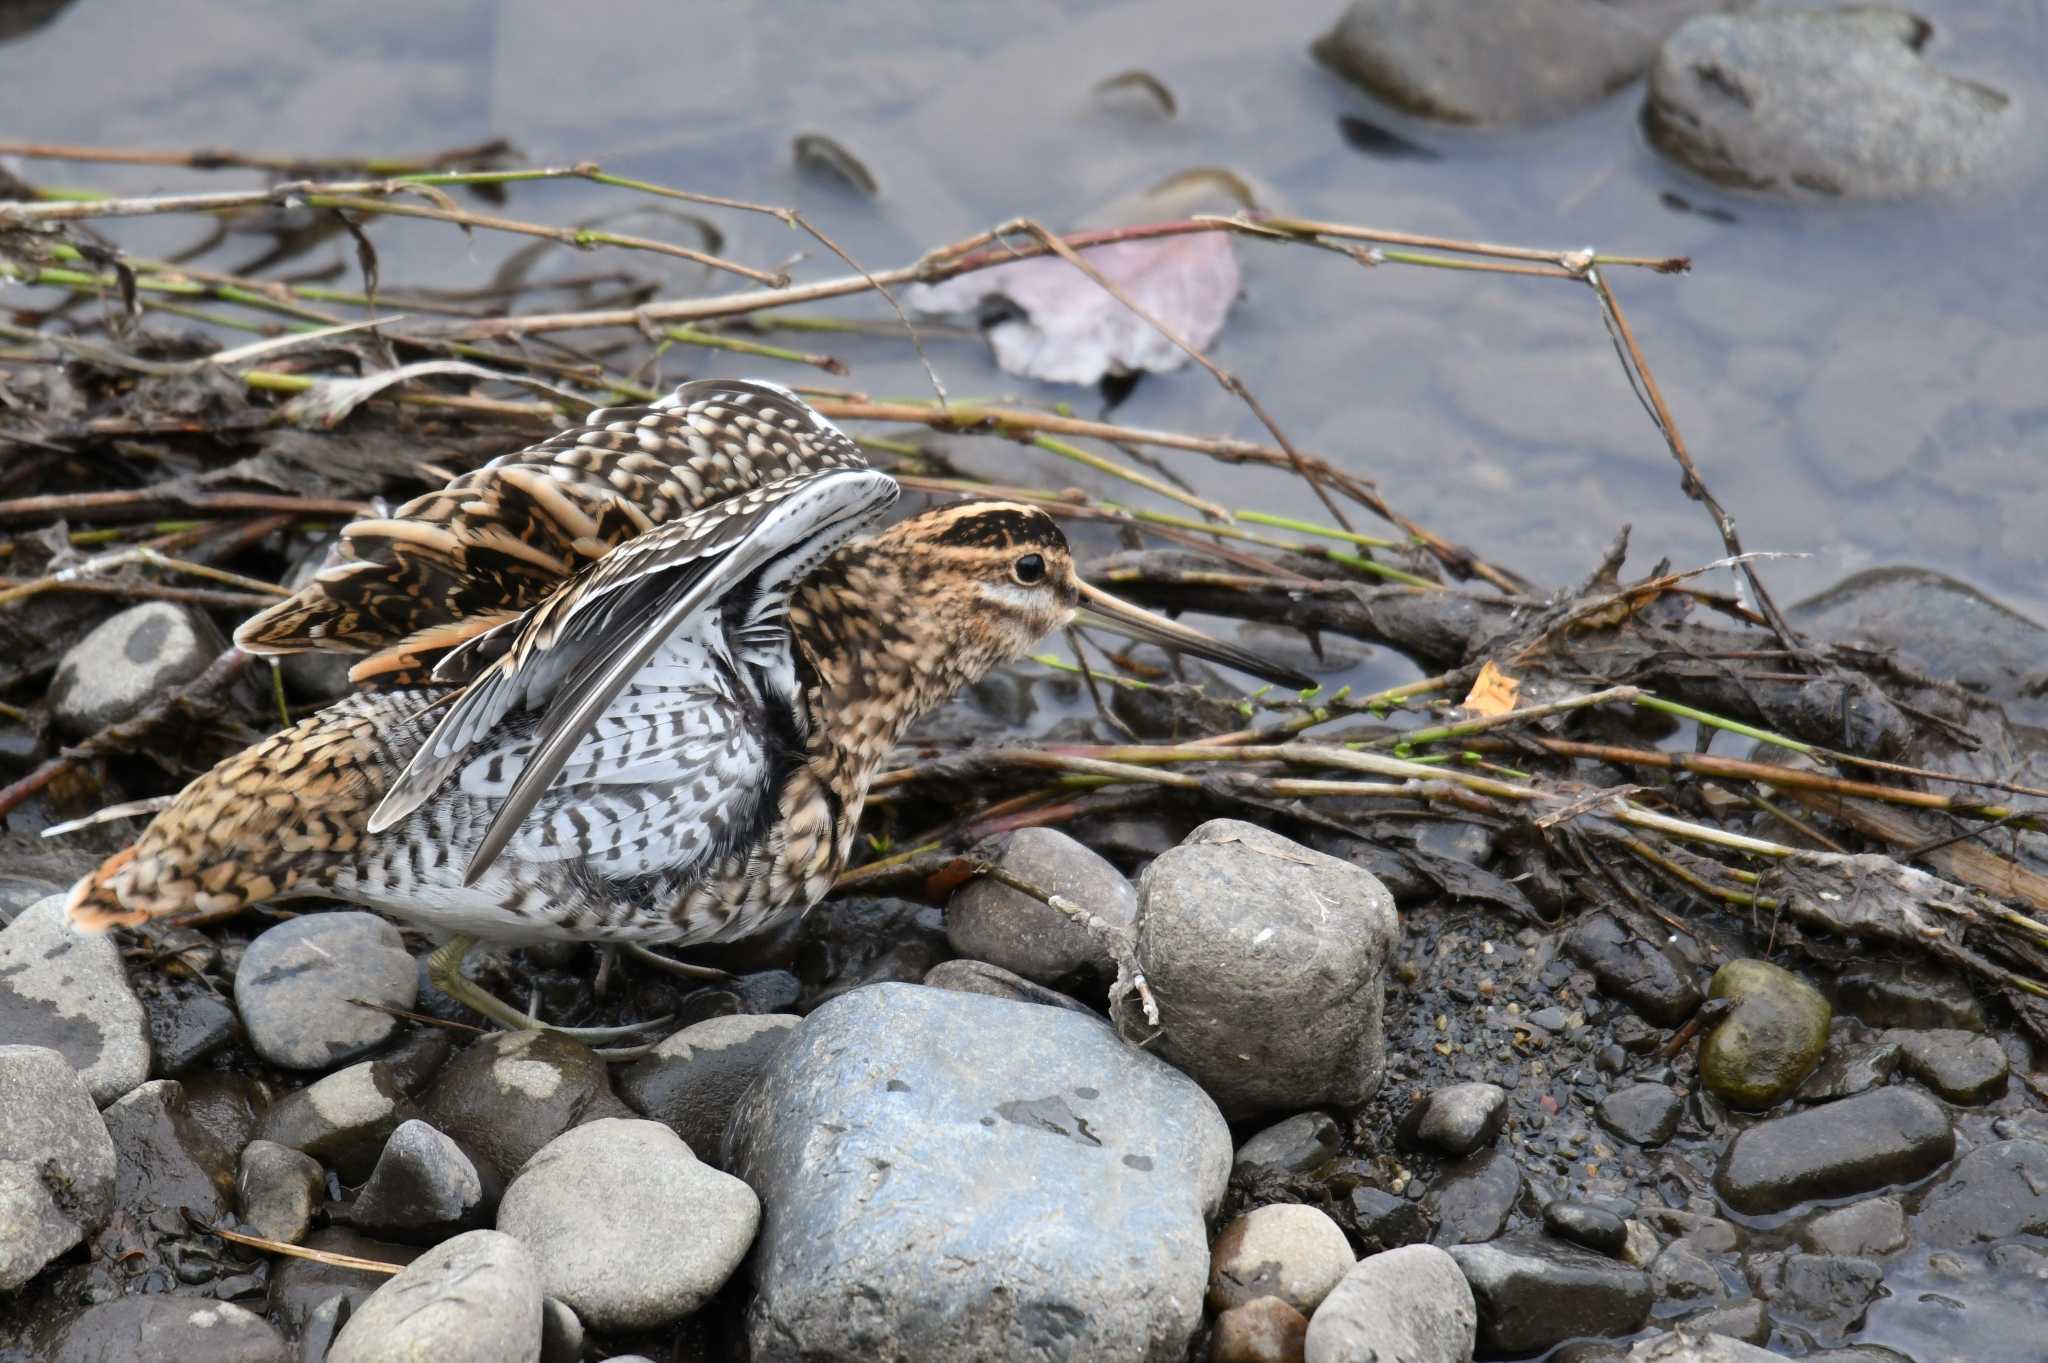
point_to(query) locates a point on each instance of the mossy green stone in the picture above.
(1770, 1041)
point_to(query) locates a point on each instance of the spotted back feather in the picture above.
(409, 588)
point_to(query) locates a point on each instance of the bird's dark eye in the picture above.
(1029, 569)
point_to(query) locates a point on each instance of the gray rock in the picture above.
(1827, 1294)
(979, 977)
(991, 922)
(1456, 1119)
(1642, 1114)
(1299, 1145)
(910, 1143)
(1267, 960)
(164, 1159)
(1595, 1228)
(1917, 994)
(561, 1333)
(297, 979)
(164, 1329)
(1533, 1293)
(1850, 1068)
(67, 990)
(1474, 1197)
(185, 1028)
(342, 1120)
(1876, 1225)
(512, 1092)
(627, 1226)
(1829, 103)
(1745, 1321)
(1960, 1066)
(128, 662)
(56, 1162)
(692, 1080)
(425, 1188)
(1774, 1036)
(1995, 1191)
(1411, 1304)
(1472, 61)
(1648, 976)
(1691, 1344)
(1383, 1221)
(1892, 1135)
(1682, 1274)
(300, 1288)
(228, 1105)
(474, 1299)
(1283, 1250)
(1263, 1330)
(277, 1190)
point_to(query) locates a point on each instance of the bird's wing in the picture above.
(568, 658)
(410, 587)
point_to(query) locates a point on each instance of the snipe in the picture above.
(629, 685)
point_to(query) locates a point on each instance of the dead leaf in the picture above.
(1072, 331)
(1493, 693)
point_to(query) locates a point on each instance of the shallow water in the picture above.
(1862, 384)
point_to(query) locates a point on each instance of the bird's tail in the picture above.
(276, 819)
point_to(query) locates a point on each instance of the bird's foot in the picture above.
(444, 969)
(702, 973)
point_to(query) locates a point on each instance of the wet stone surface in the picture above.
(1280, 1250)
(693, 1079)
(979, 977)
(506, 1096)
(1836, 1150)
(1588, 1226)
(56, 1162)
(1533, 1293)
(1993, 1192)
(165, 1330)
(277, 1190)
(1960, 1066)
(1650, 978)
(342, 1120)
(1456, 1120)
(1913, 994)
(69, 991)
(1642, 1114)
(1773, 1037)
(1474, 1197)
(1297, 1145)
(1411, 1304)
(424, 1188)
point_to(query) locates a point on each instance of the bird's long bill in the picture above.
(1107, 612)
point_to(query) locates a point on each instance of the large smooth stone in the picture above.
(693, 1079)
(1412, 1304)
(473, 1299)
(129, 662)
(56, 1162)
(511, 1093)
(1533, 1293)
(627, 1226)
(1268, 963)
(1831, 103)
(297, 982)
(948, 1175)
(1995, 1191)
(342, 1120)
(165, 1329)
(1859, 1144)
(989, 921)
(1757, 1055)
(67, 990)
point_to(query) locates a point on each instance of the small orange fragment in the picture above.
(1493, 693)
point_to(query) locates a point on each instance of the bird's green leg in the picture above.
(444, 968)
(703, 973)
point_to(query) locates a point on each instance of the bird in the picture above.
(629, 685)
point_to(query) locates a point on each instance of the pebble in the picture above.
(1642, 1114)
(1850, 1068)
(1826, 1294)
(185, 1028)
(692, 1080)
(128, 662)
(1584, 1224)
(1682, 1274)
(1412, 1304)
(1267, 960)
(68, 990)
(1471, 62)
(979, 977)
(56, 1162)
(1649, 977)
(277, 1189)
(1533, 1293)
(473, 1299)
(1383, 1221)
(342, 1120)
(688, 1228)
(989, 921)
(1916, 994)
(1474, 1197)
(164, 1159)
(297, 980)
(1691, 1344)
(1837, 104)
(1995, 1191)
(425, 1188)
(1263, 1330)
(1873, 1226)
(1756, 1056)
(1891, 1135)
(1744, 1320)
(299, 1288)
(908, 1140)
(506, 1096)
(1284, 1250)
(1456, 1119)
(1961, 1066)
(165, 1329)
(1299, 1145)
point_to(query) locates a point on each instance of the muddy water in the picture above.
(1865, 385)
